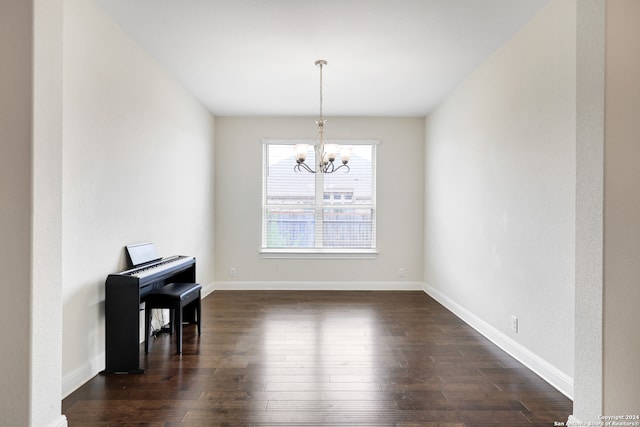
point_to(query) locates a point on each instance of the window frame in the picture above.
(318, 206)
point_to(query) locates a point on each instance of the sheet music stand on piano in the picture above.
(141, 253)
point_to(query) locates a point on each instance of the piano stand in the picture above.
(174, 296)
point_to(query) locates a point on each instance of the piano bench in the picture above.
(174, 296)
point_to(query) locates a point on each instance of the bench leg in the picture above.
(171, 320)
(179, 328)
(199, 314)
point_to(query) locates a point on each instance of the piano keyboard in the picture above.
(172, 262)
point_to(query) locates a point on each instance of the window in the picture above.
(318, 213)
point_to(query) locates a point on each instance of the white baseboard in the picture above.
(207, 289)
(556, 378)
(319, 286)
(77, 378)
(61, 421)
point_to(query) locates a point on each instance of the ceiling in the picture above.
(385, 57)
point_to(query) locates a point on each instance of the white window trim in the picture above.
(322, 253)
(268, 253)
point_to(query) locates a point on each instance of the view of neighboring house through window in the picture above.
(319, 212)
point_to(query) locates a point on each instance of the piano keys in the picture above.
(124, 294)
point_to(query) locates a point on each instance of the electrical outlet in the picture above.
(232, 272)
(401, 272)
(514, 324)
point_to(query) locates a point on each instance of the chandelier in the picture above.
(325, 153)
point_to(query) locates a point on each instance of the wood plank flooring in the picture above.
(307, 358)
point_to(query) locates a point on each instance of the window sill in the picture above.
(319, 253)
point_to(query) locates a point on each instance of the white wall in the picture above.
(238, 195)
(607, 376)
(590, 94)
(500, 194)
(137, 159)
(16, 27)
(30, 212)
(46, 314)
(622, 210)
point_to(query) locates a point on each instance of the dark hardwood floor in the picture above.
(322, 359)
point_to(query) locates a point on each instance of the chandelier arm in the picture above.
(329, 167)
(299, 166)
(340, 167)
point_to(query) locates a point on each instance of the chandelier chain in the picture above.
(321, 117)
(324, 154)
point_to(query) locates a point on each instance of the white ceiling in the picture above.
(385, 57)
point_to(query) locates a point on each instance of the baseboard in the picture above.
(207, 289)
(61, 421)
(77, 378)
(556, 378)
(319, 286)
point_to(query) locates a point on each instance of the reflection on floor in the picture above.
(307, 358)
